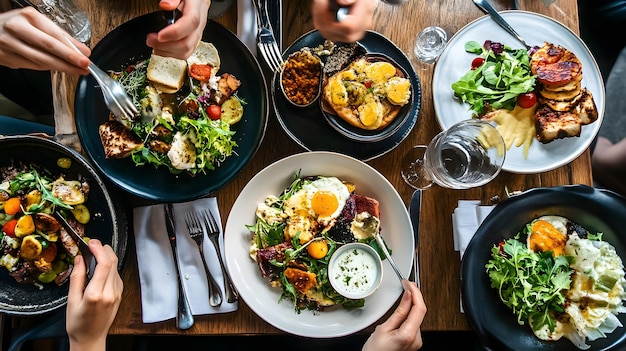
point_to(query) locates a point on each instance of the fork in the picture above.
(213, 231)
(115, 97)
(197, 234)
(266, 41)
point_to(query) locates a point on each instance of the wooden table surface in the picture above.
(439, 263)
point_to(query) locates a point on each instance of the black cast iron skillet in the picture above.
(107, 224)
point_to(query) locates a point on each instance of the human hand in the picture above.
(28, 39)
(91, 309)
(401, 331)
(352, 27)
(180, 39)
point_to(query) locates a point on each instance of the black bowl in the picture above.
(367, 136)
(595, 209)
(108, 223)
(125, 45)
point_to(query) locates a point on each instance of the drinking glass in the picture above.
(468, 154)
(429, 43)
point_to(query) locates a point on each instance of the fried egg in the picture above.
(322, 199)
(548, 233)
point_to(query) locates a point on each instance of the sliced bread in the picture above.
(167, 74)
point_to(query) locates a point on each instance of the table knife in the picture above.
(184, 318)
(90, 259)
(414, 211)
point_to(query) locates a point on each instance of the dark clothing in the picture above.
(30, 89)
(602, 24)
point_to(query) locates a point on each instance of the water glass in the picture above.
(66, 14)
(468, 154)
(429, 44)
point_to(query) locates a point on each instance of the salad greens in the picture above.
(532, 284)
(269, 233)
(204, 142)
(496, 83)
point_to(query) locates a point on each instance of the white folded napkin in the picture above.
(157, 272)
(466, 219)
(246, 24)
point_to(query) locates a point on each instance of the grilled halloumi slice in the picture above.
(551, 125)
(117, 140)
(555, 65)
(560, 106)
(586, 108)
(565, 95)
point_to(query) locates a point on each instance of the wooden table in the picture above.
(439, 262)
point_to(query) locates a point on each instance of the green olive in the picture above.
(64, 162)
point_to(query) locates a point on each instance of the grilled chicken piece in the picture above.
(555, 65)
(117, 140)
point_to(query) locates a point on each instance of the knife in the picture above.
(184, 318)
(90, 259)
(414, 211)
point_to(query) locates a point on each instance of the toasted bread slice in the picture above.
(167, 74)
(551, 125)
(346, 95)
(117, 140)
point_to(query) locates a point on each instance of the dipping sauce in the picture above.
(300, 78)
(355, 270)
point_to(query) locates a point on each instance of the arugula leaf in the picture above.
(496, 83)
(532, 284)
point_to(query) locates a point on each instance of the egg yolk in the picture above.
(324, 203)
(545, 237)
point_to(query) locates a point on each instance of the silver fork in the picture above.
(213, 231)
(197, 234)
(266, 41)
(115, 97)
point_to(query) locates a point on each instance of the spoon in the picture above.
(487, 8)
(381, 243)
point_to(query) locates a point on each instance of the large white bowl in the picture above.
(263, 299)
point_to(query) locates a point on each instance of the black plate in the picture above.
(125, 45)
(308, 127)
(595, 209)
(108, 222)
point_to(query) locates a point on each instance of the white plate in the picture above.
(256, 291)
(535, 29)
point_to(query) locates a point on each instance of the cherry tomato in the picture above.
(317, 249)
(9, 228)
(200, 72)
(214, 112)
(368, 84)
(527, 100)
(477, 62)
(501, 247)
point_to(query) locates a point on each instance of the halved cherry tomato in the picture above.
(527, 100)
(214, 112)
(9, 228)
(477, 62)
(200, 72)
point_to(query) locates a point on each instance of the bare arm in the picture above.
(401, 331)
(30, 40)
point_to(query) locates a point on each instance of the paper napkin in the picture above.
(246, 24)
(157, 272)
(466, 219)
